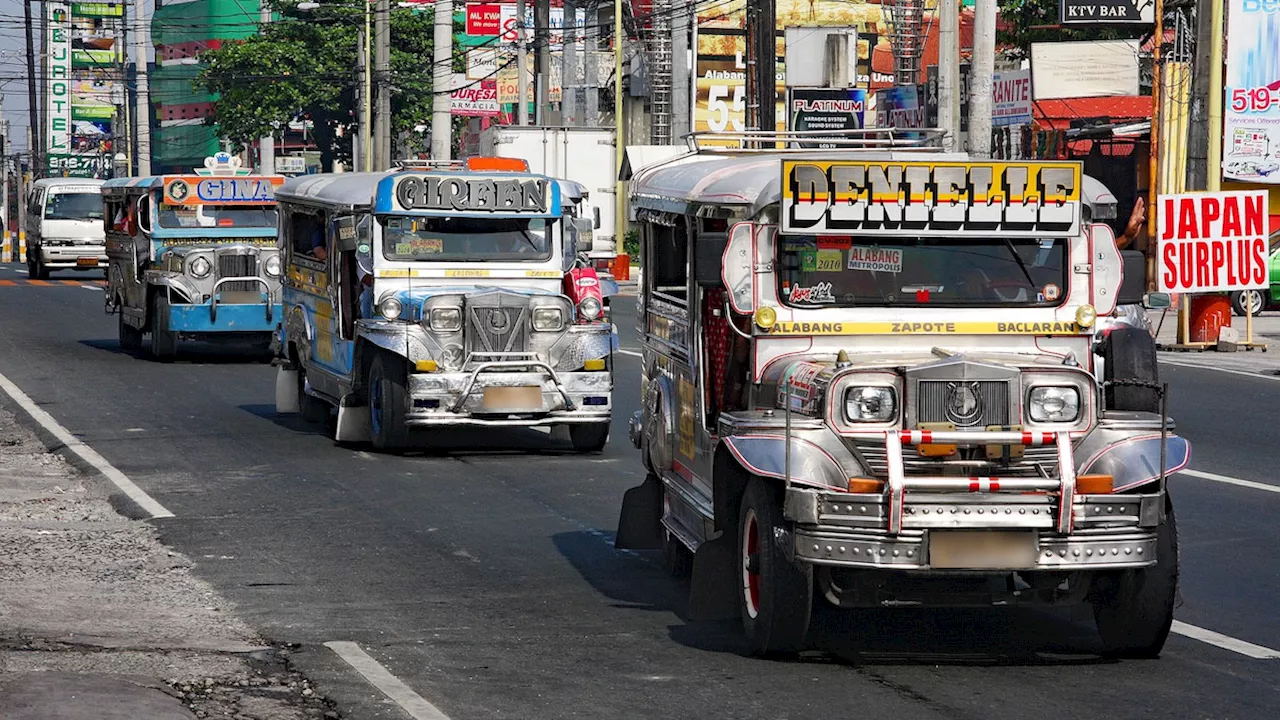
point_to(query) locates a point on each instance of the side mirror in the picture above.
(345, 229)
(1157, 301)
(708, 254)
(595, 211)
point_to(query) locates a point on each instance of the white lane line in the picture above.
(90, 287)
(632, 353)
(381, 678)
(1230, 480)
(1196, 366)
(86, 453)
(1225, 642)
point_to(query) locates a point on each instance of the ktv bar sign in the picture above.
(1212, 242)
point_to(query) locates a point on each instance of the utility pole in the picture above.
(4, 188)
(142, 94)
(267, 143)
(1214, 175)
(522, 63)
(590, 65)
(949, 74)
(569, 65)
(442, 79)
(382, 70)
(542, 53)
(980, 80)
(33, 108)
(620, 131)
(761, 46)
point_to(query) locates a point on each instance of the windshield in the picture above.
(845, 271)
(466, 239)
(74, 206)
(217, 216)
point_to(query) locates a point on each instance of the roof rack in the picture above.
(415, 164)
(798, 141)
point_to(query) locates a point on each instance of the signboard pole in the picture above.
(522, 69)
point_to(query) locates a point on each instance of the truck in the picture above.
(585, 155)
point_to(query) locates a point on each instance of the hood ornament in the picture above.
(963, 403)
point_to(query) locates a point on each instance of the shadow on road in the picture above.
(194, 353)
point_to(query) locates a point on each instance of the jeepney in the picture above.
(875, 374)
(448, 296)
(193, 257)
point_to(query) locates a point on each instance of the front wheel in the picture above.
(1247, 300)
(164, 342)
(589, 438)
(1134, 608)
(388, 403)
(776, 594)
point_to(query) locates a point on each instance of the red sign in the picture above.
(484, 19)
(1212, 242)
(477, 99)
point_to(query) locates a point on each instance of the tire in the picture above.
(776, 595)
(388, 403)
(1134, 608)
(32, 272)
(1254, 297)
(313, 410)
(1129, 355)
(164, 343)
(39, 271)
(589, 438)
(130, 337)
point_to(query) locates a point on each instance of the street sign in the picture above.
(828, 109)
(1212, 242)
(291, 165)
(484, 19)
(1011, 98)
(1108, 12)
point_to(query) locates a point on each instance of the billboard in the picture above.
(1213, 242)
(829, 109)
(85, 91)
(1092, 68)
(1251, 112)
(58, 87)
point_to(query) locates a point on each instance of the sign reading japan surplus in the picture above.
(1213, 242)
(58, 88)
(926, 198)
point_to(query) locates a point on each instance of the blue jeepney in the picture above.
(193, 257)
(442, 298)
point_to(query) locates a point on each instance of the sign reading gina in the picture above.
(1029, 199)
(474, 194)
(221, 190)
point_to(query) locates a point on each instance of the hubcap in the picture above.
(751, 566)
(1255, 301)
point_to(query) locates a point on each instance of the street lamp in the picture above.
(366, 97)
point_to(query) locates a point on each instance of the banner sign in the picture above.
(1108, 12)
(900, 107)
(1090, 68)
(58, 90)
(826, 109)
(1212, 242)
(1011, 98)
(484, 19)
(477, 98)
(1251, 117)
(950, 199)
(473, 193)
(221, 190)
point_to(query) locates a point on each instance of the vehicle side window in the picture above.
(307, 236)
(669, 260)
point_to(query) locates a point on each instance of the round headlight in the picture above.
(272, 266)
(200, 267)
(390, 307)
(589, 308)
(1053, 404)
(871, 404)
(1086, 316)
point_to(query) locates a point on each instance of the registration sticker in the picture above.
(809, 261)
(1052, 292)
(875, 259)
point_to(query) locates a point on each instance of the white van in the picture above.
(65, 230)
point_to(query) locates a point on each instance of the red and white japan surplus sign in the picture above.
(1212, 242)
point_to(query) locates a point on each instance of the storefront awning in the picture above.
(1061, 114)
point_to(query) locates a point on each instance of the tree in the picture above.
(1023, 22)
(303, 66)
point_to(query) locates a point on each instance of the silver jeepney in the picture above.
(874, 374)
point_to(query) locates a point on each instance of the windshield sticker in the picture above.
(829, 261)
(875, 259)
(818, 294)
(809, 261)
(799, 244)
(834, 242)
(1051, 292)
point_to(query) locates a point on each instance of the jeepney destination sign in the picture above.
(221, 190)
(474, 194)
(931, 198)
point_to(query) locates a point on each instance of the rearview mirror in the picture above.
(595, 211)
(1157, 301)
(345, 227)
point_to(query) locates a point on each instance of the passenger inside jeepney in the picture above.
(466, 239)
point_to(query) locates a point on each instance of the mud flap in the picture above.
(640, 524)
(353, 421)
(286, 391)
(713, 589)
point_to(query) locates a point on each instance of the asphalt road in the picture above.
(485, 578)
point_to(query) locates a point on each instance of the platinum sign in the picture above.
(58, 91)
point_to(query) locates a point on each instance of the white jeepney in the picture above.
(877, 375)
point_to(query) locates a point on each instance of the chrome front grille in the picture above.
(501, 328)
(238, 265)
(1041, 461)
(938, 403)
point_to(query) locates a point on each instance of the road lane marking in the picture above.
(1230, 480)
(390, 685)
(91, 287)
(1225, 642)
(86, 453)
(632, 353)
(1245, 373)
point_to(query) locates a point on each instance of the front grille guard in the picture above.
(502, 365)
(213, 298)
(899, 483)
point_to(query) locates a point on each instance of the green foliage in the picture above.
(1031, 21)
(305, 65)
(631, 244)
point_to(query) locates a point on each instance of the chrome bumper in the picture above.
(68, 256)
(442, 399)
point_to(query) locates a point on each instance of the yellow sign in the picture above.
(687, 423)
(1040, 199)
(926, 328)
(466, 273)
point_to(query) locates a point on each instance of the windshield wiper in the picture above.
(1021, 264)
(528, 237)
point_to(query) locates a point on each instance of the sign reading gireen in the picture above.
(1213, 242)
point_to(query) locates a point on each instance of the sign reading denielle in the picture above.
(1036, 199)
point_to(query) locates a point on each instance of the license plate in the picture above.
(982, 549)
(526, 398)
(87, 262)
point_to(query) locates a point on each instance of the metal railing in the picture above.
(795, 141)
